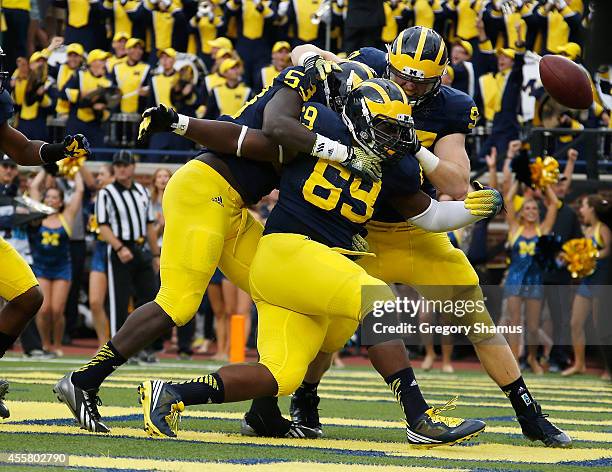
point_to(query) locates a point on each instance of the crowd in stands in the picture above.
(92, 67)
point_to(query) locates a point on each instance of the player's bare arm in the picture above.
(34, 153)
(452, 174)
(299, 51)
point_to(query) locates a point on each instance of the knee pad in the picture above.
(180, 307)
(338, 333)
(288, 378)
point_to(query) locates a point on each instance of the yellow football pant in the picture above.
(428, 262)
(301, 286)
(16, 277)
(207, 226)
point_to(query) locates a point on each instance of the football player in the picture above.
(322, 207)
(416, 61)
(18, 285)
(207, 225)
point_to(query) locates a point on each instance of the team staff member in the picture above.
(125, 218)
(74, 61)
(85, 24)
(87, 117)
(18, 286)
(281, 58)
(252, 45)
(418, 69)
(228, 97)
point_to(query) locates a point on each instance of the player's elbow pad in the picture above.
(441, 217)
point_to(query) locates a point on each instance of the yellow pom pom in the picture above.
(544, 171)
(580, 255)
(70, 166)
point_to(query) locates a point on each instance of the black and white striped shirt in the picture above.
(126, 210)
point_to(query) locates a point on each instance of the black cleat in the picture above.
(162, 407)
(4, 387)
(432, 429)
(253, 424)
(536, 427)
(82, 403)
(304, 410)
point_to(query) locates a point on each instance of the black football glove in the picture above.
(73, 146)
(157, 119)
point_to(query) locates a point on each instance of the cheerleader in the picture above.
(50, 245)
(593, 210)
(98, 280)
(523, 284)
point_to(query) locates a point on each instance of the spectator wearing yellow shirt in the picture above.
(215, 78)
(281, 58)
(89, 110)
(559, 25)
(207, 25)
(85, 24)
(120, 51)
(297, 16)
(74, 61)
(33, 99)
(171, 89)
(166, 19)
(14, 39)
(119, 13)
(252, 45)
(227, 98)
(132, 77)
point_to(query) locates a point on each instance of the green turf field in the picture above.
(363, 427)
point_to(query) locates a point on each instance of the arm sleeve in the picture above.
(442, 217)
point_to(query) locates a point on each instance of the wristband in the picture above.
(329, 149)
(50, 153)
(119, 248)
(180, 127)
(304, 57)
(428, 160)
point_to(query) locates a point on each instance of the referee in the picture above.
(125, 217)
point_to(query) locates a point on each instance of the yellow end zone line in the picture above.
(479, 452)
(329, 380)
(123, 381)
(180, 466)
(365, 398)
(23, 411)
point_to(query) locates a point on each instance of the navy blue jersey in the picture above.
(6, 107)
(257, 179)
(322, 199)
(448, 112)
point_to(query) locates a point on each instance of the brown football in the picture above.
(566, 82)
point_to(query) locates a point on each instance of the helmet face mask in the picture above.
(377, 114)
